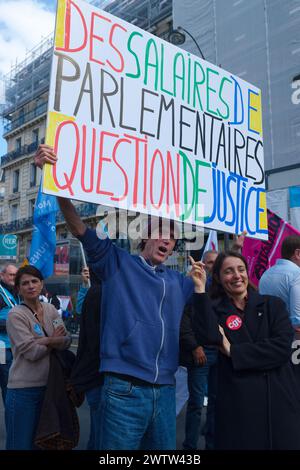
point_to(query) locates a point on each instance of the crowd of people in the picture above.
(138, 321)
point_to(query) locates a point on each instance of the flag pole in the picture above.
(84, 260)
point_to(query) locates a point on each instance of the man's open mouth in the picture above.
(162, 249)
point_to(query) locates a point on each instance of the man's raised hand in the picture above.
(198, 275)
(44, 154)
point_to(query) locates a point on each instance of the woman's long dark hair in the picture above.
(216, 289)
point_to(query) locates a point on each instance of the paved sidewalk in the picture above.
(84, 416)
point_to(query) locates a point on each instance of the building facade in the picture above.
(24, 116)
(259, 41)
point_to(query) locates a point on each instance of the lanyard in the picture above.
(35, 316)
(6, 296)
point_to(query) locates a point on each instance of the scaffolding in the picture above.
(145, 14)
(29, 78)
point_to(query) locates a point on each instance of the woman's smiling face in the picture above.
(234, 277)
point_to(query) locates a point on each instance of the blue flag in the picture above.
(43, 243)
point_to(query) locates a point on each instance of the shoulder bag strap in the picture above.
(35, 316)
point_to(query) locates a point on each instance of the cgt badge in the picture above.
(234, 322)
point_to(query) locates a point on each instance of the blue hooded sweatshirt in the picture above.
(141, 311)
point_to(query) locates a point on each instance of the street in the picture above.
(84, 419)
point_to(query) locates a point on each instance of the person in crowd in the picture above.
(33, 334)
(283, 279)
(202, 379)
(141, 308)
(257, 404)
(8, 299)
(209, 257)
(54, 300)
(44, 295)
(85, 277)
(85, 376)
(201, 370)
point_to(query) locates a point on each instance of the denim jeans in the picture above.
(136, 416)
(199, 378)
(93, 397)
(4, 371)
(22, 412)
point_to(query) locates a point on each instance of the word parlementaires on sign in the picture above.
(140, 124)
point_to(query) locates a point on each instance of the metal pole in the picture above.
(226, 241)
(192, 37)
(84, 260)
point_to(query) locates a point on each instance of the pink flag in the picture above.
(262, 254)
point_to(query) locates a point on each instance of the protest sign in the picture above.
(294, 193)
(140, 124)
(261, 255)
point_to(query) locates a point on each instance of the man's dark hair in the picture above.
(217, 290)
(209, 252)
(149, 228)
(31, 270)
(289, 245)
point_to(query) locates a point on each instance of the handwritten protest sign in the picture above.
(261, 255)
(140, 124)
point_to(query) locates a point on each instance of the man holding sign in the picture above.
(141, 125)
(142, 304)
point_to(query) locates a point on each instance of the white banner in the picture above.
(140, 124)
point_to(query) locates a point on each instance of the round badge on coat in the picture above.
(234, 322)
(38, 329)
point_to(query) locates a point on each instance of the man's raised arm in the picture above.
(44, 155)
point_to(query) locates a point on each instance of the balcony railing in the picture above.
(38, 111)
(24, 150)
(16, 225)
(14, 154)
(86, 209)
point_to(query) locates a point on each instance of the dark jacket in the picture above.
(85, 373)
(258, 404)
(187, 338)
(12, 290)
(58, 427)
(54, 300)
(188, 341)
(141, 311)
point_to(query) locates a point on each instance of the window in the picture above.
(16, 177)
(2, 175)
(35, 136)
(31, 204)
(21, 116)
(14, 212)
(28, 246)
(295, 131)
(18, 143)
(33, 174)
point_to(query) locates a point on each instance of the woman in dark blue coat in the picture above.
(258, 397)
